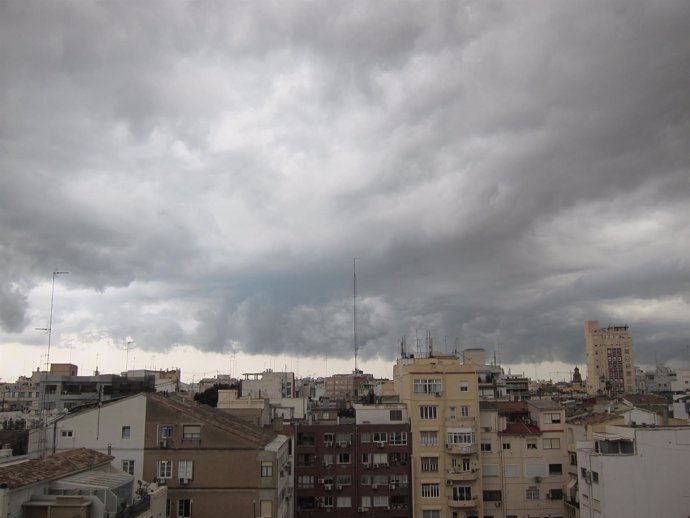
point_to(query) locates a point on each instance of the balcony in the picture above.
(462, 504)
(457, 475)
(461, 449)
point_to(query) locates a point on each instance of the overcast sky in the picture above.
(207, 171)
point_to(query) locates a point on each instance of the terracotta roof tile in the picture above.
(52, 467)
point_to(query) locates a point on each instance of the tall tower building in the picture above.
(610, 359)
(442, 397)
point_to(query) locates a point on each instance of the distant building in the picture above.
(348, 387)
(355, 466)
(610, 359)
(523, 457)
(268, 384)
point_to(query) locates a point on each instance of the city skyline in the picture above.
(207, 173)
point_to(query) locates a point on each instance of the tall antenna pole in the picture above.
(50, 322)
(354, 304)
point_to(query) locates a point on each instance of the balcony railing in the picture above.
(463, 504)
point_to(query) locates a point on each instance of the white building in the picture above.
(634, 472)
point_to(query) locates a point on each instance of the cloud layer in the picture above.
(207, 172)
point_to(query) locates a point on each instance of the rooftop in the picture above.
(52, 467)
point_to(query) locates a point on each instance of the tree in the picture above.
(210, 395)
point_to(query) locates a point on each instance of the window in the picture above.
(343, 501)
(465, 411)
(366, 501)
(430, 490)
(166, 432)
(552, 417)
(365, 437)
(428, 438)
(191, 432)
(328, 501)
(531, 444)
(427, 412)
(329, 438)
(431, 514)
(595, 477)
(461, 436)
(365, 480)
(380, 436)
(266, 508)
(462, 493)
(451, 412)
(396, 415)
(305, 481)
(343, 458)
(429, 463)
(266, 468)
(167, 508)
(485, 446)
(184, 508)
(328, 459)
(343, 438)
(555, 469)
(506, 446)
(165, 469)
(532, 493)
(551, 444)
(343, 479)
(185, 469)
(305, 439)
(398, 438)
(380, 501)
(380, 458)
(556, 494)
(128, 466)
(67, 433)
(464, 386)
(126, 432)
(427, 386)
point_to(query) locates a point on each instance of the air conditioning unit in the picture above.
(163, 443)
(184, 481)
(548, 495)
(342, 444)
(384, 465)
(374, 486)
(438, 394)
(160, 481)
(387, 508)
(376, 466)
(320, 481)
(486, 428)
(392, 486)
(449, 446)
(498, 504)
(366, 465)
(328, 443)
(380, 444)
(340, 488)
(328, 487)
(537, 479)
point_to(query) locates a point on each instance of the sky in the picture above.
(207, 172)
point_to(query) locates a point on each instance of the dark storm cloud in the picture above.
(206, 172)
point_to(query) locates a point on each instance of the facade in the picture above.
(355, 466)
(634, 472)
(268, 384)
(22, 395)
(208, 460)
(344, 387)
(610, 359)
(442, 397)
(523, 458)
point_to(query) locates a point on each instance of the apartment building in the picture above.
(442, 398)
(610, 359)
(523, 458)
(210, 461)
(268, 384)
(634, 472)
(19, 396)
(355, 466)
(345, 387)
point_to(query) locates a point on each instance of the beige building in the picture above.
(610, 359)
(441, 394)
(523, 458)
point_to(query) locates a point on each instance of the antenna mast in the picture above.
(354, 305)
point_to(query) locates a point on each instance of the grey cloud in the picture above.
(504, 172)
